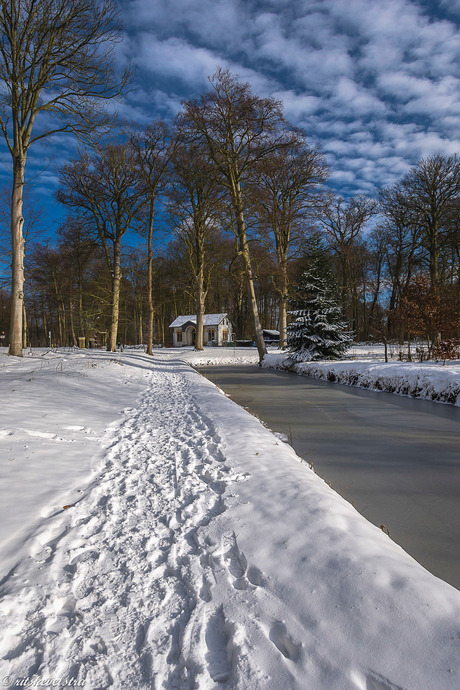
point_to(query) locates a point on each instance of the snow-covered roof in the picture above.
(208, 320)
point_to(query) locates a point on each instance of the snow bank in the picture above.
(429, 380)
(196, 550)
(217, 355)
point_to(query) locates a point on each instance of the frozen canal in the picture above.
(396, 459)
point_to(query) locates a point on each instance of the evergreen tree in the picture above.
(317, 330)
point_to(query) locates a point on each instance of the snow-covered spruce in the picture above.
(317, 330)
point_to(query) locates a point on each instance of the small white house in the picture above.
(217, 330)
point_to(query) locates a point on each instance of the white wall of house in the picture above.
(219, 334)
(224, 331)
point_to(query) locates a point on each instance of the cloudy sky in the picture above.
(375, 82)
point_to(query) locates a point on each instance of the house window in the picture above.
(225, 335)
(179, 336)
(211, 334)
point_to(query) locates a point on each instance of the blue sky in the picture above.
(375, 82)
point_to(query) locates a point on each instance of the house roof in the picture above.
(208, 320)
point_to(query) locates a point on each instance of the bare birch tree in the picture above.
(55, 73)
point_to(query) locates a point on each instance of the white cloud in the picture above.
(353, 99)
(403, 86)
(297, 106)
(439, 98)
(213, 22)
(178, 59)
(413, 143)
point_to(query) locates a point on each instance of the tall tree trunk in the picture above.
(82, 324)
(434, 258)
(282, 321)
(244, 247)
(17, 263)
(200, 296)
(72, 327)
(141, 329)
(150, 276)
(45, 322)
(282, 302)
(61, 322)
(25, 332)
(116, 282)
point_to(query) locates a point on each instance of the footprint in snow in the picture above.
(63, 618)
(218, 636)
(284, 642)
(374, 681)
(255, 577)
(237, 566)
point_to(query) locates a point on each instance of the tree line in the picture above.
(239, 190)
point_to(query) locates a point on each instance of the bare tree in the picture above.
(344, 222)
(153, 148)
(284, 189)
(239, 129)
(402, 244)
(77, 243)
(432, 189)
(55, 60)
(51, 277)
(106, 188)
(194, 202)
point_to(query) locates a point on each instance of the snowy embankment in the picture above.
(218, 355)
(430, 380)
(157, 535)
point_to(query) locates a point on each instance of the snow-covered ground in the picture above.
(153, 534)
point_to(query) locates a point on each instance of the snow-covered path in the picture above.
(122, 577)
(203, 554)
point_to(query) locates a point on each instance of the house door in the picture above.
(191, 336)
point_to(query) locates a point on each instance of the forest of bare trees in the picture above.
(214, 213)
